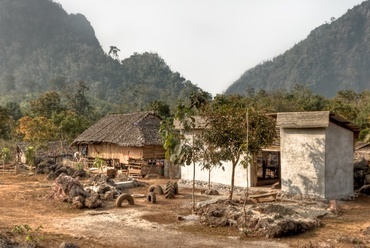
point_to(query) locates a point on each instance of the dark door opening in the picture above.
(268, 167)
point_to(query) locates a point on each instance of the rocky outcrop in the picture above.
(361, 176)
(68, 189)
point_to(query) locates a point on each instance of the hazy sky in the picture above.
(209, 42)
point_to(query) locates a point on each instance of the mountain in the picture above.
(335, 56)
(42, 47)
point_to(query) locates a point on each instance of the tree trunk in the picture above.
(193, 192)
(232, 182)
(209, 179)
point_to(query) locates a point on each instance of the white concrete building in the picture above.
(316, 154)
(315, 157)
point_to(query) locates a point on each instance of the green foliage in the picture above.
(5, 155)
(79, 166)
(14, 110)
(170, 137)
(32, 236)
(234, 129)
(46, 104)
(99, 163)
(69, 124)
(77, 101)
(364, 135)
(30, 154)
(51, 51)
(6, 124)
(160, 108)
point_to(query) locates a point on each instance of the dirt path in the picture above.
(24, 201)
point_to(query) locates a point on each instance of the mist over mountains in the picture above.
(42, 48)
(335, 56)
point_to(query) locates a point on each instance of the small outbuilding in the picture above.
(126, 141)
(317, 150)
(311, 156)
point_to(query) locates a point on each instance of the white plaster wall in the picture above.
(339, 162)
(303, 161)
(218, 175)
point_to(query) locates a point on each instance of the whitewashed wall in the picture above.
(218, 175)
(339, 162)
(303, 161)
(317, 161)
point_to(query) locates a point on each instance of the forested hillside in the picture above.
(334, 56)
(43, 48)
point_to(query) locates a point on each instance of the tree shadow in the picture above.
(312, 183)
(295, 190)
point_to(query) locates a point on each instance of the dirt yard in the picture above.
(24, 201)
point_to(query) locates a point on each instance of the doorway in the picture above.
(268, 167)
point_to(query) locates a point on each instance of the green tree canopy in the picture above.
(234, 129)
(46, 104)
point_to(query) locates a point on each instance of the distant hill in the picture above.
(334, 56)
(42, 47)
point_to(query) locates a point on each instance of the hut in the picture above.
(125, 141)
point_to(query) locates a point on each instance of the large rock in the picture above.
(69, 189)
(365, 190)
(93, 201)
(290, 227)
(78, 201)
(361, 164)
(367, 179)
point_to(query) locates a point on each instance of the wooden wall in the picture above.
(112, 151)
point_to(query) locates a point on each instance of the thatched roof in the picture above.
(135, 129)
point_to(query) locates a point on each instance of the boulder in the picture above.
(78, 201)
(367, 179)
(365, 190)
(289, 227)
(361, 164)
(93, 201)
(358, 179)
(67, 188)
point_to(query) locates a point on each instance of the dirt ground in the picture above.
(24, 201)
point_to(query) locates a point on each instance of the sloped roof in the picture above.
(135, 129)
(359, 145)
(313, 119)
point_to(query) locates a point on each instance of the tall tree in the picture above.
(160, 108)
(46, 105)
(77, 101)
(69, 125)
(6, 124)
(227, 130)
(37, 130)
(113, 51)
(14, 110)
